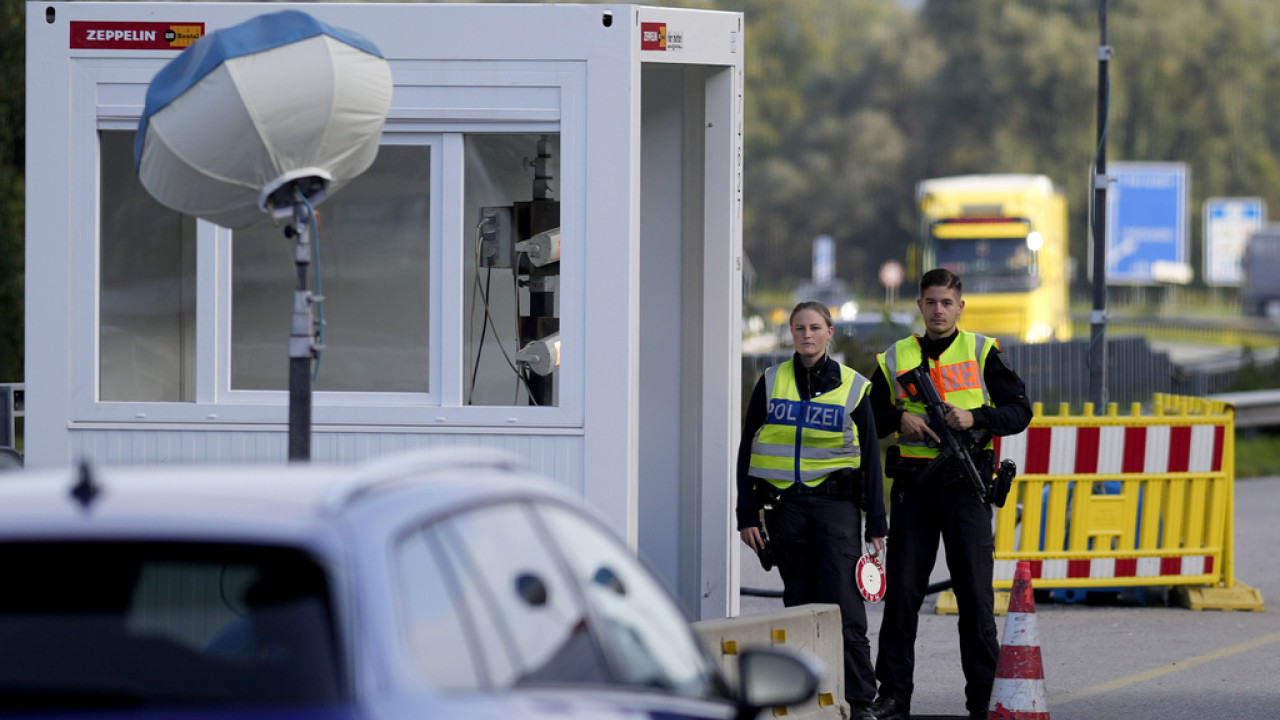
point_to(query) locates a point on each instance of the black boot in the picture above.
(887, 708)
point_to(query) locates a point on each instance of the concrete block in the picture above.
(812, 629)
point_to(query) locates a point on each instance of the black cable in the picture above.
(484, 327)
(762, 592)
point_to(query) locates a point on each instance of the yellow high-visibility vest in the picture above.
(807, 440)
(957, 374)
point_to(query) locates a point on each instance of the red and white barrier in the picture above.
(1120, 569)
(1112, 450)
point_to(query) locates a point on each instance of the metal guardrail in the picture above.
(1237, 331)
(1256, 408)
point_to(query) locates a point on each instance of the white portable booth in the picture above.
(154, 337)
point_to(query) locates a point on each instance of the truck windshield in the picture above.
(989, 264)
(91, 625)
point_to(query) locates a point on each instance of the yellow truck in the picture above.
(1005, 235)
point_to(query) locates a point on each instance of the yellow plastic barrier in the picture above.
(1117, 501)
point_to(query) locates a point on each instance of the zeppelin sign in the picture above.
(134, 35)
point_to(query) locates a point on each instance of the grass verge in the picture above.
(1257, 453)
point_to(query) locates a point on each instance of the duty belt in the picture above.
(829, 486)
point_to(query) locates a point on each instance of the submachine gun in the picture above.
(959, 445)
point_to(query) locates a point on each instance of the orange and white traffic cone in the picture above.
(1018, 692)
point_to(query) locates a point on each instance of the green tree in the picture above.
(1017, 94)
(12, 154)
(849, 103)
(781, 44)
(825, 139)
(1200, 87)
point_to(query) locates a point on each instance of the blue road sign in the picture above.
(1146, 219)
(1228, 222)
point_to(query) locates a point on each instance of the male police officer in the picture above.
(983, 393)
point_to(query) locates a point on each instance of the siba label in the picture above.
(103, 35)
(653, 36)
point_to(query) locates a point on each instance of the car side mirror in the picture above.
(774, 677)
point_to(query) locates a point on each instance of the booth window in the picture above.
(147, 289)
(374, 260)
(511, 288)
(373, 254)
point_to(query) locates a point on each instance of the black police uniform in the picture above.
(814, 531)
(945, 506)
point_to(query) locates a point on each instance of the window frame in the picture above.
(222, 389)
(110, 98)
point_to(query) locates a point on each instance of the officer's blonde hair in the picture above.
(815, 306)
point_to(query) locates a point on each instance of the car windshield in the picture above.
(165, 625)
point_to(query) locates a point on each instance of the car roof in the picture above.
(245, 500)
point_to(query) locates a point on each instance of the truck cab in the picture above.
(1005, 236)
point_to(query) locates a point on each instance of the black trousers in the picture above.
(920, 513)
(817, 541)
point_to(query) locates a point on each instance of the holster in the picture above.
(766, 497)
(899, 469)
(766, 555)
(998, 490)
(765, 494)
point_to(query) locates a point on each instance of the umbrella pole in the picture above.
(301, 339)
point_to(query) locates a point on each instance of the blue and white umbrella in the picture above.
(250, 109)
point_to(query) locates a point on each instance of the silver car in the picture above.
(441, 584)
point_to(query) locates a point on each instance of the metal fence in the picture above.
(1057, 373)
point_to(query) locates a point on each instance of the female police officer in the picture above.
(810, 451)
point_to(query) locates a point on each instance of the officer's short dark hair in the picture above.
(940, 277)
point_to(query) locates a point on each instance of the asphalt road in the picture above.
(1120, 659)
